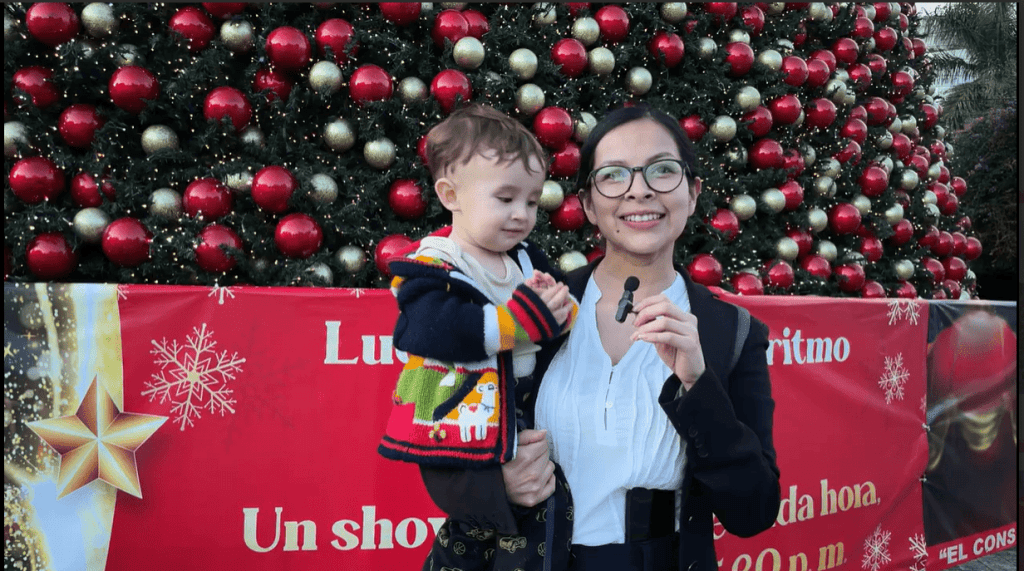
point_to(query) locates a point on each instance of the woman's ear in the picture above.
(445, 190)
(588, 206)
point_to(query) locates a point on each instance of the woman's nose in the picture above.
(638, 187)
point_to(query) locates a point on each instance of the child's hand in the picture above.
(556, 298)
(540, 281)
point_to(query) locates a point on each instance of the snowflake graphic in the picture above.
(876, 549)
(894, 378)
(919, 549)
(900, 309)
(220, 292)
(193, 376)
(122, 292)
(357, 292)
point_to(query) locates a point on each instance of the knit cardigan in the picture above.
(454, 402)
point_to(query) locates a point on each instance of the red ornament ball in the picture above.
(52, 23)
(753, 18)
(901, 83)
(851, 153)
(224, 10)
(370, 83)
(863, 28)
(35, 179)
(803, 240)
(667, 48)
(126, 242)
(276, 84)
(389, 247)
(87, 193)
(726, 222)
(820, 113)
(845, 50)
(901, 146)
(722, 12)
(78, 125)
(37, 82)
(850, 277)
(740, 57)
(209, 252)
(478, 25)
(449, 85)
(207, 197)
(766, 154)
(298, 235)
(194, 25)
(569, 216)
(566, 161)
(844, 218)
(553, 126)
(935, 268)
(877, 109)
(400, 13)
(576, 7)
(406, 199)
(885, 39)
(943, 246)
(273, 187)
(705, 270)
(959, 243)
(855, 129)
(288, 48)
(613, 23)
(778, 273)
(785, 109)
(951, 288)
(956, 268)
(794, 69)
(759, 120)
(817, 266)
(793, 163)
(872, 249)
(227, 102)
(872, 290)
(421, 149)
(873, 181)
(959, 186)
(973, 248)
(336, 33)
(570, 55)
(132, 87)
(49, 256)
(449, 25)
(817, 72)
(794, 193)
(694, 127)
(745, 283)
(906, 290)
(860, 76)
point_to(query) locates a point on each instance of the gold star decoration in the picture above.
(97, 442)
(8, 351)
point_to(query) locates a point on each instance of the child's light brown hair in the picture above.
(476, 129)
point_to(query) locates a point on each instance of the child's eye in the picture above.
(505, 199)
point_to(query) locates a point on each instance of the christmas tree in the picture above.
(278, 144)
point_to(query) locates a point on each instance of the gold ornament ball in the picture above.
(551, 195)
(673, 12)
(819, 12)
(809, 155)
(468, 53)
(351, 258)
(896, 126)
(748, 98)
(544, 14)
(736, 156)
(862, 204)
(240, 182)
(894, 214)
(723, 128)
(770, 59)
(412, 89)
(586, 30)
(165, 203)
(639, 80)
(325, 77)
(825, 186)
(909, 180)
(323, 188)
(601, 60)
(15, 134)
(379, 153)
(787, 249)
(934, 171)
(523, 63)
(884, 140)
(583, 126)
(158, 138)
(817, 219)
(706, 48)
(743, 206)
(827, 250)
(529, 98)
(98, 19)
(773, 200)
(571, 260)
(89, 224)
(126, 54)
(252, 135)
(237, 35)
(339, 135)
(904, 269)
(737, 35)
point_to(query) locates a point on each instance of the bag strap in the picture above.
(742, 329)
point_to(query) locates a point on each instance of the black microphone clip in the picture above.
(626, 301)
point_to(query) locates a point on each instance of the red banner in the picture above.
(253, 417)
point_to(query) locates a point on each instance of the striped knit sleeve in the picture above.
(524, 318)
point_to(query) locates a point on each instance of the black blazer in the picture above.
(725, 419)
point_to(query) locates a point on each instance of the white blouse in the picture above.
(606, 428)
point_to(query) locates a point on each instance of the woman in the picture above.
(660, 421)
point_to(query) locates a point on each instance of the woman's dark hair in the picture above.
(625, 115)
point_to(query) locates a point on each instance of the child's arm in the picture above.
(556, 296)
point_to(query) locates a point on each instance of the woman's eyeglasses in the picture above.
(664, 175)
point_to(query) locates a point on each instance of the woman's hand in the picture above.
(530, 476)
(674, 333)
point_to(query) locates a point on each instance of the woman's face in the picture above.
(641, 222)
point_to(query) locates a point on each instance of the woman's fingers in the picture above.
(529, 477)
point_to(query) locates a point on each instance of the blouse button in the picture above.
(608, 404)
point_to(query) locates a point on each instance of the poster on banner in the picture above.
(849, 393)
(970, 485)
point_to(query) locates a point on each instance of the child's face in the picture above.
(494, 206)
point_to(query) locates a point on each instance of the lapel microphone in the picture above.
(626, 301)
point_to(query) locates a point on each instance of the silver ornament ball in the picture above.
(785, 45)
(325, 77)
(809, 155)
(748, 98)
(723, 128)
(825, 186)
(89, 224)
(339, 136)
(787, 248)
(379, 153)
(15, 134)
(252, 135)
(165, 203)
(320, 274)
(639, 80)
(830, 168)
(884, 140)
(894, 214)
(827, 250)
(909, 179)
(529, 98)
(904, 269)
(771, 59)
(928, 197)
(743, 206)
(775, 8)
(706, 48)
(673, 12)
(571, 260)
(351, 258)
(773, 200)
(739, 36)
(601, 60)
(934, 171)
(158, 138)
(98, 19)
(819, 12)
(909, 124)
(862, 204)
(586, 30)
(896, 126)
(817, 219)
(551, 196)
(545, 14)
(323, 188)
(237, 35)
(468, 53)
(412, 89)
(583, 126)
(127, 54)
(523, 63)
(240, 182)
